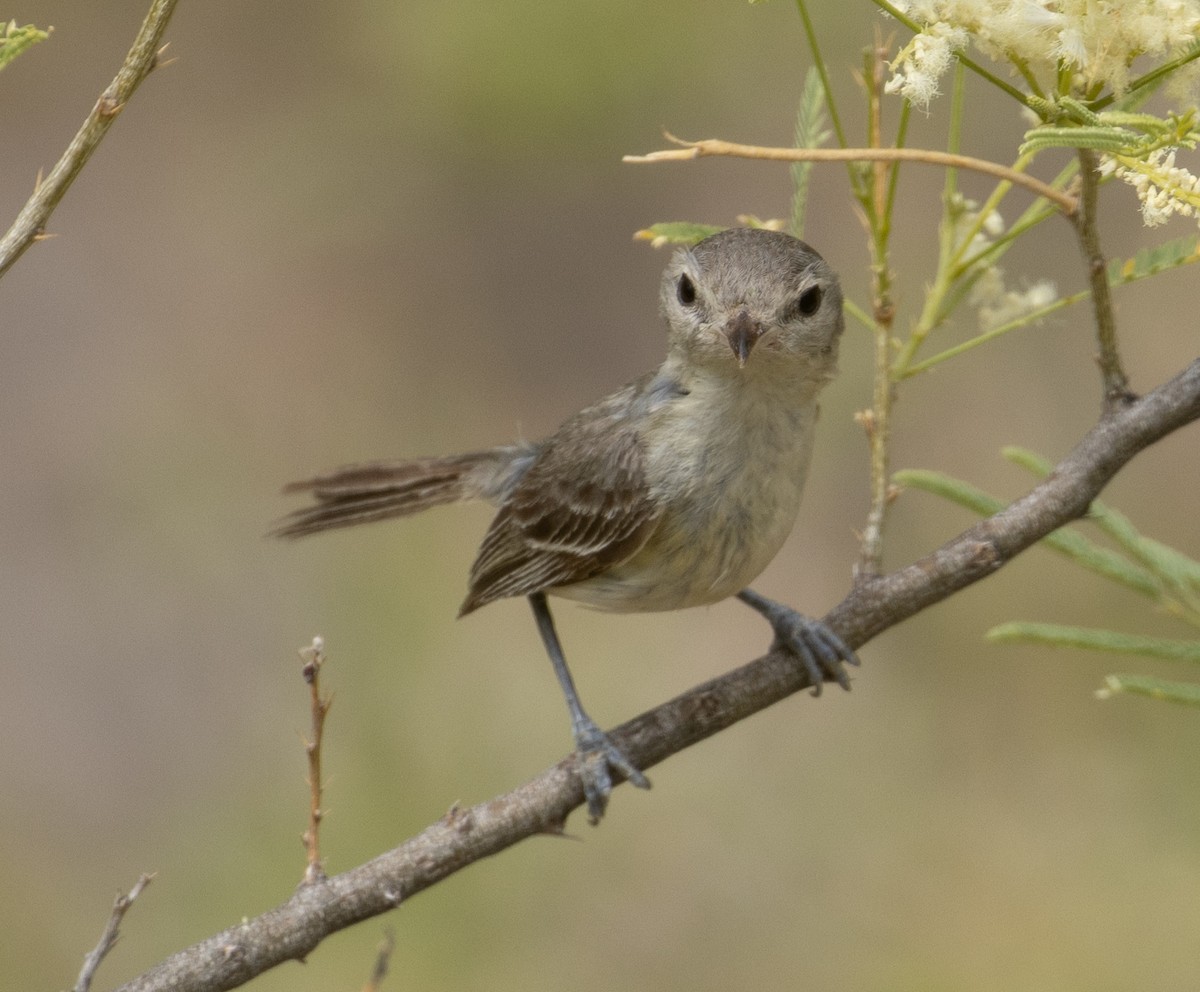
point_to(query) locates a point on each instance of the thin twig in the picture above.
(1116, 385)
(715, 146)
(464, 836)
(111, 934)
(382, 960)
(877, 422)
(30, 225)
(313, 657)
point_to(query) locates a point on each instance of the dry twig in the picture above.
(715, 146)
(314, 657)
(110, 935)
(382, 959)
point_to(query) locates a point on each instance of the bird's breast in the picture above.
(727, 472)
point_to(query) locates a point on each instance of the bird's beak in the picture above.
(743, 333)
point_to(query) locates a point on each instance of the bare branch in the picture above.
(715, 146)
(314, 657)
(294, 929)
(111, 933)
(30, 225)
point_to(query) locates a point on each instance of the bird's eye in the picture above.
(807, 303)
(686, 290)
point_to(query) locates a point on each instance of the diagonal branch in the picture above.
(461, 837)
(30, 224)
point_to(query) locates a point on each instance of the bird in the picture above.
(675, 491)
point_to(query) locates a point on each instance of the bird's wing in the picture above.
(582, 507)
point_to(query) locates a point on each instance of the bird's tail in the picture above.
(358, 494)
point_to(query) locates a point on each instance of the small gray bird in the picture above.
(675, 491)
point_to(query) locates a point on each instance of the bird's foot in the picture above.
(819, 649)
(599, 757)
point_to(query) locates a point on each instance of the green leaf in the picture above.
(15, 40)
(676, 232)
(1177, 576)
(1093, 639)
(1031, 461)
(1143, 685)
(1115, 131)
(1173, 565)
(811, 132)
(955, 490)
(1151, 261)
(1101, 139)
(1071, 543)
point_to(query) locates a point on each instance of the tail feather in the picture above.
(359, 494)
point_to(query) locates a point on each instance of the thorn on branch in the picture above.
(109, 106)
(111, 934)
(554, 828)
(157, 61)
(463, 822)
(866, 420)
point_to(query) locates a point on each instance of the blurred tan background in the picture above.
(340, 231)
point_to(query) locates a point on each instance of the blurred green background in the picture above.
(330, 232)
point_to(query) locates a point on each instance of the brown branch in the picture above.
(292, 930)
(1116, 385)
(877, 421)
(715, 146)
(112, 932)
(30, 225)
(314, 657)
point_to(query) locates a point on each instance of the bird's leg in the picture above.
(597, 754)
(821, 651)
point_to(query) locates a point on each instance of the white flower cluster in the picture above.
(1163, 187)
(917, 69)
(995, 303)
(1095, 39)
(999, 306)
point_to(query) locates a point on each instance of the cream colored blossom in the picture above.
(1006, 306)
(1095, 39)
(1163, 188)
(924, 61)
(995, 304)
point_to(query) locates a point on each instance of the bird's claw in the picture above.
(820, 650)
(599, 757)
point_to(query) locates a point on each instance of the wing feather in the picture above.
(582, 507)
